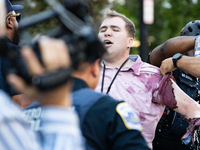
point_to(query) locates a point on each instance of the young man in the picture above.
(106, 124)
(128, 78)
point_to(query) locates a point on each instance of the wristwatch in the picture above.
(175, 58)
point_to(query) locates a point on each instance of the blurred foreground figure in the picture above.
(59, 123)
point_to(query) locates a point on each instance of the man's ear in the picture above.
(9, 23)
(96, 68)
(130, 42)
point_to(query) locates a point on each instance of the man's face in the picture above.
(12, 25)
(114, 36)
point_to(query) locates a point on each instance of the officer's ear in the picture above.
(9, 23)
(96, 68)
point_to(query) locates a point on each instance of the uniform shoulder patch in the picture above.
(128, 115)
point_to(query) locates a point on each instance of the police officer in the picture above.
(12, 40)
(106, 124)
(172, 126)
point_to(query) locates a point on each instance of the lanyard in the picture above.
(104, 69)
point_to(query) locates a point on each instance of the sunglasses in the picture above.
(18, 16)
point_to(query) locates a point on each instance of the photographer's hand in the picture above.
(55, 56)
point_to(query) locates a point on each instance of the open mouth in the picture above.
(107, 43)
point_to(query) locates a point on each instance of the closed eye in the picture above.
(116, 30)
(103, 29)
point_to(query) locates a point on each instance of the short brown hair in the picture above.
(130, 27)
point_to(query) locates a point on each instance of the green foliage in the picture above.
(168, 21)
(95, 7)
(33, 7)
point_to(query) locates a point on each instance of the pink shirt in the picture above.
(138, 85)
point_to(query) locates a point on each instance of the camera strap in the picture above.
(104, 69)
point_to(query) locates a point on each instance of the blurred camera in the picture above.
(74, 28)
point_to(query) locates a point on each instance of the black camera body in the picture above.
(74, 29)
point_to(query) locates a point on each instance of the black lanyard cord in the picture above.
(104, 68)
(102, 82)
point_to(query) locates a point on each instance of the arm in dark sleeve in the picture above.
(6, 68)
(113, 125)
(172, 46)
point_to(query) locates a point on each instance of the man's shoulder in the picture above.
(108, 100)
(148, 68)
(144, 67)
(88, 95)
(116, 110)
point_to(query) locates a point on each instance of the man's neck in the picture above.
(118, 63)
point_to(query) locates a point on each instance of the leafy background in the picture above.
(170, 16)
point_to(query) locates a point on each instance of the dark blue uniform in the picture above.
(106, 124)
(172, 126)
(5, 66)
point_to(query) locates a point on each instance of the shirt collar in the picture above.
(136, 66)
(78, 84)
(7, 39)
